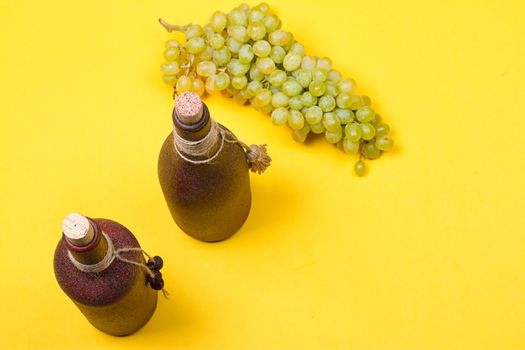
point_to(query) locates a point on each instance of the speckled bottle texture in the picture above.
(118, 300)
(210, 201)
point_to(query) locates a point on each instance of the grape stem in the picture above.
(173, 27)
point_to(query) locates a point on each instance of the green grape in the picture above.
(325, 64)
(256, 30)
(246, 54)
(271, 23)
(292, 88)
(301, 134)
(384, 143)
(314, 115)
(238, 17)
(359, 168)
(350, 146)
(279, 99)
(347, 85)
(309, 63)
(353, 132)
(367, 131)
(261, 48)
(171, 80)
(170, 68)
(236, 68)
(331, 122)
(277, 78)
(304, 110)
(334, 76)
(172, 43)
(172, 53)
(326, 103)
(218, 21)
(197, 86)
(230, 91)
(184, 84)
(366, 100)
(221, 81)
(292, 62)
(221, 56)
(266, 109)
(255, 15)
(265, 65)
(318, 75)
(370, 151)
(245, 7)
(255, 73)
(295, 102)
(277, 54)
(317, 128)
(288, 45)
(238, 32)
(344, 100)
(206, 68)
(345, 115)
(263, 7)
(356, 102)
(193, 31)
(308, 100)
(382, 129)
(331, 88)
(209, 86)
(365, 114)
(239, 98)
(280, 116)
(245, 94)
(317, 88)
(280, 38)
(239, 82)
(233, 45)
(333, 137)
(295, 120)
(208, 30)
(206, 54)
(262, 97)
(303, 77)
(253, 87)
(298, 49)
(196, 45)
(376, 120)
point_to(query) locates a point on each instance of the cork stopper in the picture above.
(77, 230)
(189, 108)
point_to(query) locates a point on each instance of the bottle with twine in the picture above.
(100, 266)
(204, 169)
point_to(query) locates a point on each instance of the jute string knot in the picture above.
(113, 254)
(256, 155)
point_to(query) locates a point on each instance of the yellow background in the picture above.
(426, 252)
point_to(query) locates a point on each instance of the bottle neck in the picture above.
(91, 253)
(199, 140)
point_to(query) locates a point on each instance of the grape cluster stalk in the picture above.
(246, 55)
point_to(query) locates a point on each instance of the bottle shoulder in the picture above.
(108, 286)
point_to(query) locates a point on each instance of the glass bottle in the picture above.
(203, 172)
(92, 266)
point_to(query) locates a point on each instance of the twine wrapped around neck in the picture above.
(256, 155)
(110, 256)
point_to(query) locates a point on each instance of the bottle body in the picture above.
(117, 300)
(209, 201)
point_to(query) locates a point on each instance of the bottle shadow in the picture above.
(272, 202)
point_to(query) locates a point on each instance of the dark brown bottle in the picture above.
(203, 172)
(113, 294)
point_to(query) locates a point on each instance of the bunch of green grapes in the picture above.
(246, 55)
